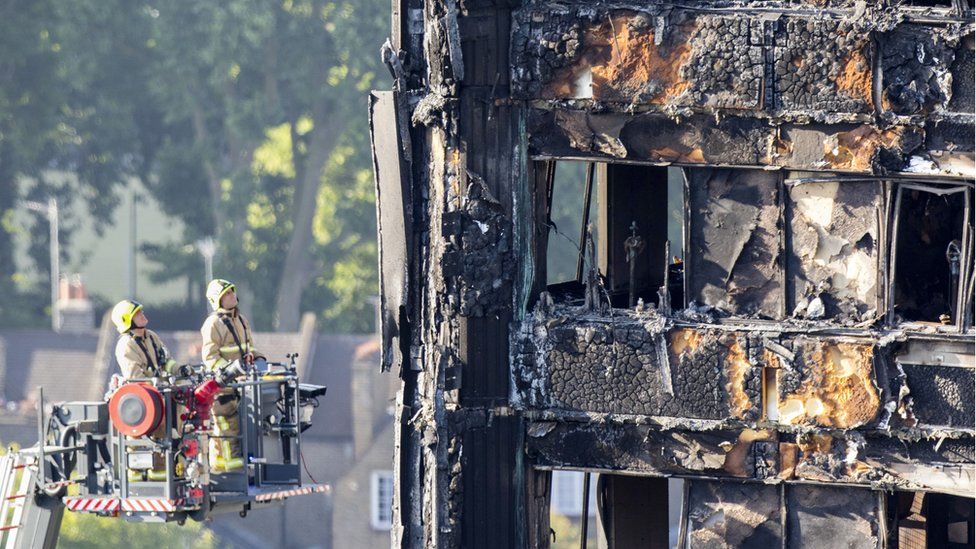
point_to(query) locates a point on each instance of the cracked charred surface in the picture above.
(951, 147)
(963, 77)
(603, 55)
(942, 396)
(840, 93)
(635, 57)
(477, 253)
(642, 364)
(725, 68)
(634, 366)
(823, 65)
(837, 400)
(620, 60)
(637, 69)
(832, 385)
(917, 66)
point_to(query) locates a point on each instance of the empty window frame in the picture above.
(621, 510)
(567, 494)
(570, 196)
(931, 256)
(918, 520)
(638, 511)
(613, 203)
(569, 521)
(641, 217)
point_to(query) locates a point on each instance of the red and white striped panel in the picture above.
(52, 486)
(149, 505)
(92, 505)
(272, 496)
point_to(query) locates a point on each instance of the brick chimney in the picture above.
(77, 313)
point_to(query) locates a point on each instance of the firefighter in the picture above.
(141, 355)
(226, 344)
(139, 352)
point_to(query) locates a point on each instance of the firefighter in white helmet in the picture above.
(139, 351)
(226, 339)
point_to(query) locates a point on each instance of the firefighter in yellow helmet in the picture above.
(139, 351)
(226, 339)
(141, 355)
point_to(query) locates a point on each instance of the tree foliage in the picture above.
(245, 119)
(567, 532)
(83, 531)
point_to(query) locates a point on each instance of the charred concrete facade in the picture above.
(806, 366)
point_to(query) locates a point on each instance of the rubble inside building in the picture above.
(766, 212)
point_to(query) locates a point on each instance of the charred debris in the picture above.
(768, 288)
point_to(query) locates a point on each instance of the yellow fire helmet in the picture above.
(122, 314)
(216, 290)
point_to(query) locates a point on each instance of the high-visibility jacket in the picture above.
(226, 338)
(143, 356)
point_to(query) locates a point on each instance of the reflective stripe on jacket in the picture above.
(219, 346)
(142, 357)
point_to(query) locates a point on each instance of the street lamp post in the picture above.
(51, 211)
(131, 272)
(207, 249)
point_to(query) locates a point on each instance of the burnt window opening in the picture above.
(572, 503)
(931, 3)
(734, 240)
(626, 210)
(641, 218)
(571, 195)
(623, 511)
(931, 263)
(929, 520)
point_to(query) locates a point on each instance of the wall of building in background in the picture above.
(360, 516)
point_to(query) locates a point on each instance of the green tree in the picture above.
(344, 231)
(57, 118)
(567, 532)
(242, 117)
(270, 92)
(83, 531)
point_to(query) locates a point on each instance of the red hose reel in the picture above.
(136, 409)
